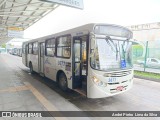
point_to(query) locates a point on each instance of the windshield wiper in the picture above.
(112, 45)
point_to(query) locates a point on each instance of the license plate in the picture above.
(120, 88)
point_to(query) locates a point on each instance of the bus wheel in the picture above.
(31, 68)
(62, 81)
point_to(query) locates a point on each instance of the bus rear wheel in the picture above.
(62, 81)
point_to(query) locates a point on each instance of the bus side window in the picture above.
(30, 46)
(50, 47)
(64, 46)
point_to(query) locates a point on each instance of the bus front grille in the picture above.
(118, 74)
(117, 82)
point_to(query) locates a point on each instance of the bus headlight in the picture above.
(98, 82)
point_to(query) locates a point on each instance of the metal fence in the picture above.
(146, 56)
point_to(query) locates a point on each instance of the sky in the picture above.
(121, 12)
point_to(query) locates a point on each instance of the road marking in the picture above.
(15, 89)
(41, 98)
(49, 106)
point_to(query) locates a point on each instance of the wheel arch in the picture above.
(58, 73)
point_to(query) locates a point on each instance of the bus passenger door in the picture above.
(80, 63)
(41, 57)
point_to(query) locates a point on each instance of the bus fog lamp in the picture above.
(102, 84)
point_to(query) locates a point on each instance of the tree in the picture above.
(3, 45)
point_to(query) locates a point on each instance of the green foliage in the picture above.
(3, 45)
(147, 75)
(137, 50)
(137, 47)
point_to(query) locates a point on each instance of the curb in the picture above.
(145, 78)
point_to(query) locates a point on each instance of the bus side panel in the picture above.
(50, 67)
(35, 63)
(23, 59)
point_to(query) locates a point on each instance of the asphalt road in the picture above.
(144, 96)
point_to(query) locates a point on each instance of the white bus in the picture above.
(19, 52)
(93, 59)
(14, 51)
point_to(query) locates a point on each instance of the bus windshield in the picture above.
(111, 54)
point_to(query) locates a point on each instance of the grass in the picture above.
(147, 75)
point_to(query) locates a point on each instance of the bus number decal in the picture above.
(61, 63)
(111, 80)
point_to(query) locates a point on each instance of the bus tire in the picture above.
(31, 68)
(62, 81)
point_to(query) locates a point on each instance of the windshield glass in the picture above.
(109, 54)
(112, 30)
